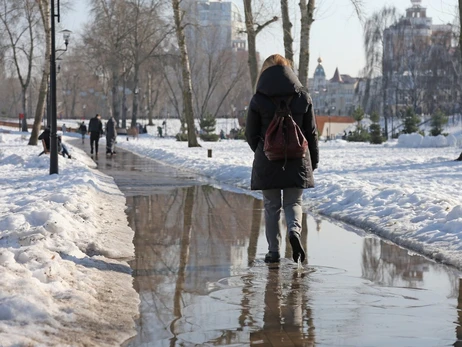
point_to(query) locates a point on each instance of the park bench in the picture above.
(45, 149)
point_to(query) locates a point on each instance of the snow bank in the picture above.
(417, 141)
(61, 238)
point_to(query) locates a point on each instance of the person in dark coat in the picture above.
(83, 131)
(45, 136)
(278, 82)
(111, 134)
(95, 127)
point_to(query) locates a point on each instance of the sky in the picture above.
(337, 33)
(61, 235)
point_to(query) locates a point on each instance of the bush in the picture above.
(375, 134)
(411, 122)
(207, 124)
(237, 134)
(181, 137)
(438, 121)
(358, 136)
(209, 137)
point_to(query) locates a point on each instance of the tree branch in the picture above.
(261, 27)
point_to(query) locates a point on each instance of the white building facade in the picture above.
(335, 96)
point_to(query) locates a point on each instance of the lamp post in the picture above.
(53, 129)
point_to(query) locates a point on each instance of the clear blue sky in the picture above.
(336, 35)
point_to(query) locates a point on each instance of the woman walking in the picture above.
(281, 181)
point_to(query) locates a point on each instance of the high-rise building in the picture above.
(216, 23)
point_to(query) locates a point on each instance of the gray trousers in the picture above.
(291, 202)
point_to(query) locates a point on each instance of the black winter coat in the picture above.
(95, 126)
(279, 82)
(111, 131)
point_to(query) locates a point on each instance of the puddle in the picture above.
(202, 281)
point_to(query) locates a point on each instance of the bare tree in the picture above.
(154, 86)
(376, 53)
(460, 47)
(19, 19)
(106, 43)
(44, 9)
(215, 69)
(306, 20)
(148, 32)
(186, 73)
(253, 29)
(287, 29)
(173, 78)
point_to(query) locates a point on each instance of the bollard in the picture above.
(209, 153)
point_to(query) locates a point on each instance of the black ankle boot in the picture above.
(272, 257)
(297, 249)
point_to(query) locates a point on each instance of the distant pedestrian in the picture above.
(62, 148)
(159, 131)
(83, 131)
(111, 135)
(95, 127)
(63, 128)
(278, 85)
(164, 125)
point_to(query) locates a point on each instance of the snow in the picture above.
(65, 239)
(416, 141)
(62, 245)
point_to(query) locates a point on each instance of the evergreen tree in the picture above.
(411, 121)
(207, 125)
(375, 131)
(438, 121)
(358, 115)
(360, 134)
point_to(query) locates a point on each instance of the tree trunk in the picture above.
(135, 94)
(149, 99)
(115, 92)
(460, 47)
(24, 109)
(384, 102)
(43, 91)
(186, 73)
(306, 20)
(251, 43)
(124, 103)
(74, 97)
(287, 29)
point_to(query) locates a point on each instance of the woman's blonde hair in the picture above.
(273, 60)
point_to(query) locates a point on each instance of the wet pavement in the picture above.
(199, 272)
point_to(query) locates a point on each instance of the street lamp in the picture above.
(53, 129)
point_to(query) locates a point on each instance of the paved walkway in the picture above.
(202, 282)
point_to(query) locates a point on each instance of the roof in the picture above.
(337, 78)
(319, 72)
(348, 79)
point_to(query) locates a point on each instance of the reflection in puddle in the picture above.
(202, 281)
